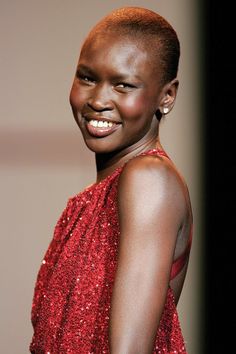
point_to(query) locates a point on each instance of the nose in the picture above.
(100, 99)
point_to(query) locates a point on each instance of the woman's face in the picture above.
(115, 93)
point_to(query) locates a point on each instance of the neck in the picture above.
(106, 163)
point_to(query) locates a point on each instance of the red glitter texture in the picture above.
(70, 312)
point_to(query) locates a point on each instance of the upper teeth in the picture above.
(100, 123)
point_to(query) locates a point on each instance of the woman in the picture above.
(114, 271)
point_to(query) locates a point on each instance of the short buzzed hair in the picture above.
(149, 28)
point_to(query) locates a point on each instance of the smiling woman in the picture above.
(114, 271)
(115, 93)
(119, 100)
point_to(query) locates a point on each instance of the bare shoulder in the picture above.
(152, 173)
(151, 185)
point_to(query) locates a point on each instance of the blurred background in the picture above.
(43, 160)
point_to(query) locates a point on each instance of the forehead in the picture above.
(118, 44)
(119, 50)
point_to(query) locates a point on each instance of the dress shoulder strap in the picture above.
(180, 262)
(155, 152)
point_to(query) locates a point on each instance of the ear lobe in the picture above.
(169, 93)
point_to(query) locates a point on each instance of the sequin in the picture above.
(71, 304)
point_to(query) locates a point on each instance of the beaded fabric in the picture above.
(71, 304)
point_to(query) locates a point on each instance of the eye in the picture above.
(85, 78)
(124, 87)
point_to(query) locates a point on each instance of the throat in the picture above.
(107, 163)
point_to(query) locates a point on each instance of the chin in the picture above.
(98, 147)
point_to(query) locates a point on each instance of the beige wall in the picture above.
(42, 157)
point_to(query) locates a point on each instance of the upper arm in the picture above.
(151, 207)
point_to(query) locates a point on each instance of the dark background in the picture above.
(219, 42)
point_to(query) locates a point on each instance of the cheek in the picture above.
(134, 107)
(77, 98)
(76, 103)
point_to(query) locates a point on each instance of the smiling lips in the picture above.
(100, 128)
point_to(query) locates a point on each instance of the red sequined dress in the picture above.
(71, 304)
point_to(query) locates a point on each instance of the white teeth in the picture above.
(100, 124)
(94, 123)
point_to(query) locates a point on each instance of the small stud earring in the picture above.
(165, 110)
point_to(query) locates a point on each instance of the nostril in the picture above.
(99, 106)
(100, 99)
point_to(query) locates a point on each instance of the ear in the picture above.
(168, 96)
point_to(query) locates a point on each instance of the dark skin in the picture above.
(114, 104)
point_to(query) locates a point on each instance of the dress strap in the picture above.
(155, 152)
(180, 262)
(162, 153)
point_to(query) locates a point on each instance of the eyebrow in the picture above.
(87, 70)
